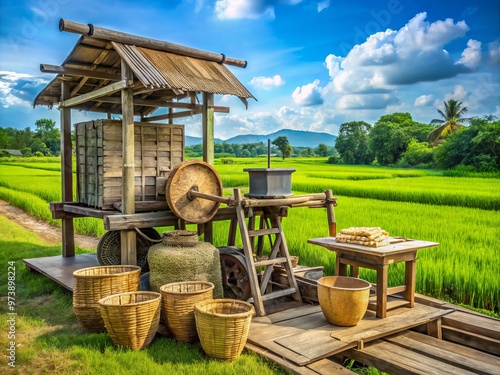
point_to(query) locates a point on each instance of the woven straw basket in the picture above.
(223, 326)
(178, 300)
(131, 318)
(92, 284)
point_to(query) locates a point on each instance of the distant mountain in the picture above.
(297, 138)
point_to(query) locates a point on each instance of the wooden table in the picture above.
(378, 259)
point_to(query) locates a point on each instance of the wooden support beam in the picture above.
(47, 68)
(163, 104)
(128, 237)
(68, 234)
(119, 37)
(91, 96)
(207, 123)
(170, 116)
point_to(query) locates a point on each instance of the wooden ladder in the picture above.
(279, 254)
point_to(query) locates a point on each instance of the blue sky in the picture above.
(312, 65)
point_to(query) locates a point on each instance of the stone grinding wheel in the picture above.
(193, 175)
(109, 248)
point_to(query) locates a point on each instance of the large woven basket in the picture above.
(178, 300)
(131, 318)
(92, 284)
(223, 326)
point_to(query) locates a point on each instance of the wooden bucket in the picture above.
(178, 300)
(223, 326)
(131, 318)
(93, 283)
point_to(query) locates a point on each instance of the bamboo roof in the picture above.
(160, 76)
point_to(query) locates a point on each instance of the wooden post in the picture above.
(128, 237)
(68, 234)
(207, 119)
(330, 213)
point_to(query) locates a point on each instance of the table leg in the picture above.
(340, 268)
(382, 291)
(410, 270)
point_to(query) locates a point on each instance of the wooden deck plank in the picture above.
(394, 359)
(60, 269)
(322, 367)
(480, 325)
(472, 340)
(302, 310)
(454, 354)
(330, 339)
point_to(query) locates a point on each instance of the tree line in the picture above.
(279, 146)
(45, 140)
(397, 140)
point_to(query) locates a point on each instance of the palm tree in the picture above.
(453, 116)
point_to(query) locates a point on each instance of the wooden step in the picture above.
(276, 294)
(263, 232)
(270, 261)
(394, 359)
(321, 367)
(473, 330)
(448, 352)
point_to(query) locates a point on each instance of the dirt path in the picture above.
(49, 233)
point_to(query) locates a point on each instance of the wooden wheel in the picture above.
(198, 176)
(234, 273)
(109, 248)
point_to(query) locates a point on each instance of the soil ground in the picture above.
(49, 233)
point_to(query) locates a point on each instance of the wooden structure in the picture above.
(157, 148)
(379, 259)
(117, 73)
(406, 342)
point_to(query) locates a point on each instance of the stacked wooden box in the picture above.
(157, 149)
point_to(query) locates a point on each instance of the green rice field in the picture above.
(460, 213)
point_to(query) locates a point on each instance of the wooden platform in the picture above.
(59, 268)
(299, 339)
(303, 336)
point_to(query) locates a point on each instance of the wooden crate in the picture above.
(158, 148)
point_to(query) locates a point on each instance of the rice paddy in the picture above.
(460, 213)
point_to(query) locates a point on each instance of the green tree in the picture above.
(477, 146)
(451, 122)
(352, 143)
(49, 134)
(283, 146)
(322, 150)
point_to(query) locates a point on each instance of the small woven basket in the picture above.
(131, 318)
(93, 283)
(178, 300)
(223, 326)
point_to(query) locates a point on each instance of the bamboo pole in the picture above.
(207, 120)
(128, 237)
(68, 234)
(119, 37)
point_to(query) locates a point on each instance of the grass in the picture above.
(49, 339)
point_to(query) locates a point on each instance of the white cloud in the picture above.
(364, 101)
(323, 5)
(254, 9)
(373, 72)
(471, 56)
(236, 9)
(459, 93)
(307, 95)
(18, 89)
(494, 52)
(423, 100)
(267, 83)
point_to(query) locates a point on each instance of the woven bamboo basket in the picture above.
(131, 318)
(93, 283)
(223, 326)
(178, 300)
